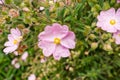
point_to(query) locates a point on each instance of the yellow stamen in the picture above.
(112, 22)
(57, 41)
(15, 41)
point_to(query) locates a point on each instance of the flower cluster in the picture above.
(55, 39)
(110, 21)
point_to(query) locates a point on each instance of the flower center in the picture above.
(57, 41)
(112, 22)
(17, 40)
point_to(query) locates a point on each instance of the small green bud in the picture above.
(94, 45)
(71, 69)
(92, 36)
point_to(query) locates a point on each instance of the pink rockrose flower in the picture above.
(13, 41)
(109, 20)
(32, 77)
(118, 1)
(56, 40)
(116, 36)
(24, 56)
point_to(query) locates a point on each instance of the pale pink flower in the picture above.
(24, 56)
(56, 40)
(116, 36)
(13, 41)
(15, 63)
(32, 77)
(118, 1)
(109, 20)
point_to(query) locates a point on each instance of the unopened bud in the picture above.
(94, 45)
(107, 47)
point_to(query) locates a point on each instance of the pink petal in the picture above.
(69, 40)
(118, 1)
(60, 51)
(8, 43)
(10, 49)
(15, 32)
(17, 65)
(117, 25)
(118, 12)
(32, 77)
(117, 37)
(24, 56)
(14, 61)
(110, 12)
(54, 31)
(47, 47)
(10, 37)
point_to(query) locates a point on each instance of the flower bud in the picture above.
(13, 13)
(92, 36)
(94, 45)
(71, 69)
(26, 9)
(86, 53)
(107, 47)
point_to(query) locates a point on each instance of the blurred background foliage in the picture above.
(96, 56)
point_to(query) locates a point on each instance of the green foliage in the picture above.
(96, 56)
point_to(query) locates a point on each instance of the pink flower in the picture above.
(1, 1)
(24, 56)
(56, 40)
(13, 41)
(15, 63)
(118, 1)
(116, 36)
(109, 20)
(32, 77)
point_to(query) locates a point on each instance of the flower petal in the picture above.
(69, 40)
(117, 37)
(8, 43)
(60, 51)
(54, 31)
(10, 49)
(10, 37)
(47, 47)
(15, 32)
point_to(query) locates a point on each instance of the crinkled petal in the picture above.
(8, 43)
(47, 47)
(54, 31)
(10, 49)
(15, 32)
(118, 12)
(10, 37)
(61, 51)
(69, 40)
